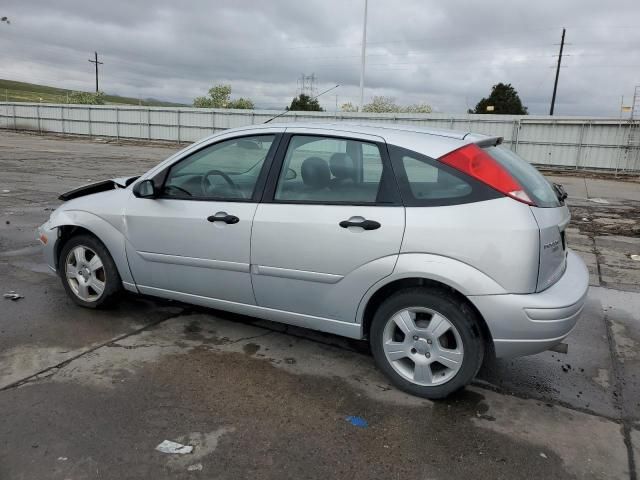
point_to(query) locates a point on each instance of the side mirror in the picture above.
(145, 189)
(290, 174)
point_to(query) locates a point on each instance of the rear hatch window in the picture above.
(535, 185)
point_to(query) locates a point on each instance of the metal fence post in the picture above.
(149, 123)
(62, 117)
(178, 125)
(579, 146)
(213, 121)
(15, 124)
(117, 124)
(39, 127)
(89, 115)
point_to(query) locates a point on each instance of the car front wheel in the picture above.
(88, 273)
(427, 342)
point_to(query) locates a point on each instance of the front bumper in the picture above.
(48, 238)
(528, 324)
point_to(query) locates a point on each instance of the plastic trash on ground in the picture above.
(168, 446)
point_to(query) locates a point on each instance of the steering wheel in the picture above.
(206, 183)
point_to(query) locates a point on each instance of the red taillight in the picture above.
(478, 164)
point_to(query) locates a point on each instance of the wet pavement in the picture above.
(87, 394)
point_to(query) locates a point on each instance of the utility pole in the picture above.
(555, 84)
(96, 62)
(364, 49)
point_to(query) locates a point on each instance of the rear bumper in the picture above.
(528, 324)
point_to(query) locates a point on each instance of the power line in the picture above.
(96, 62)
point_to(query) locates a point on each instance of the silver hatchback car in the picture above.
(438, 247)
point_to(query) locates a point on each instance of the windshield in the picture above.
(537, 187)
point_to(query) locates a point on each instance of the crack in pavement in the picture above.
(48, 371)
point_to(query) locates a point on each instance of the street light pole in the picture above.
(364, 48)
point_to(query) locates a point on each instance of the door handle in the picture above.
(365, 224)
(223, 217)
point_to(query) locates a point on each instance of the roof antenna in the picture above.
(287, 111)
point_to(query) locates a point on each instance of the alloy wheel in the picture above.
(85, 273)
(423, 346)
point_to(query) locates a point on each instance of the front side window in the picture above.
(227, 170)
(333, 170)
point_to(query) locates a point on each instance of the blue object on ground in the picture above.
(357, 421)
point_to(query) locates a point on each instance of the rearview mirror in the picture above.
(145, 189)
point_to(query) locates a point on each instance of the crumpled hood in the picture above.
(96, 187)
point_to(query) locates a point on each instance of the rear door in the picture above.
(329, 227)
(550, 212)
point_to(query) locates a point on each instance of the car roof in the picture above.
(379, 129)
(433, 142)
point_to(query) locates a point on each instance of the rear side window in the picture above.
(332, 170)
(534, 184)
(426, 182)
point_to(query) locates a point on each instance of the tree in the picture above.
(87, 98)
(504, 99)
(220, 97)
(388, 105)
(304, 103)
(381, 104)
(418, 108)
(241, 104)
(348, 107)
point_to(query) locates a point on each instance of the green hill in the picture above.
(12, 91)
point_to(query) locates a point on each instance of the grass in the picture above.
(13, 91)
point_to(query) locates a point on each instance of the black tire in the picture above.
(110, 275)
(463, 318)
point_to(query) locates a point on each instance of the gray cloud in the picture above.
(447, 54)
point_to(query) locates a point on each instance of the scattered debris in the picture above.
(196, 467)
(598, 200)
(585, 219)
(12, 295)
(62, 459)
(543, 455)
(290, 361)
(357, 421)
(635, 257)
(6, 191)
(7, 222)
(168, 446)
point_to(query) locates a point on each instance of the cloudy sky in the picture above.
(447, 54)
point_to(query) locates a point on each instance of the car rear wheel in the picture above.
(88, 272)
(427, 342)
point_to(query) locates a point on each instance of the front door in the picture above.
(329, 227)
(195, 237)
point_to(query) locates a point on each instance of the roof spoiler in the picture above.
(483, 140)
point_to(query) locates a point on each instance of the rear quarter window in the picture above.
(424, 181)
